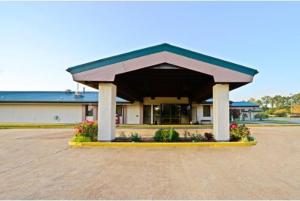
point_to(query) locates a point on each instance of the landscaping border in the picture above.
(161, 144)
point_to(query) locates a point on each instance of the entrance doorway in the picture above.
(168, 114)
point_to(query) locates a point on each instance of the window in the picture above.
(119, 110)
(156, 114)
(185, 114)
(88, 110)
(147, 114)
(206, 110)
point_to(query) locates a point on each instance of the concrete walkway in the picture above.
(38, 164)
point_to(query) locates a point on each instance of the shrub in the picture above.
(281, 113)
(173, 135)
(160, 136)
(197, 138)
(261, 116)
(166, 135)
(135, 137)
(87, 129)
(209, 137)
(81, 138)
(234, 138)
(270, 111)
(250, 138)
(240, 132)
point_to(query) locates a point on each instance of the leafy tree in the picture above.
(267, 101)
(295, 98)
(277, 104)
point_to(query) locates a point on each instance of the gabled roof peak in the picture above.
(160, 48)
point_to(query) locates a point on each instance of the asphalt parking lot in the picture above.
(38, 164)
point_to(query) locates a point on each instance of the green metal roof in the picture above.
(233, 103)
(51, 97)
(71, 97)
(244, 104)
(157, 49)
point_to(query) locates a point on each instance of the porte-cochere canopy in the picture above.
(163, 71)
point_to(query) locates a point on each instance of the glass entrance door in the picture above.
(147, 114)
(175, 113)
(170, 114)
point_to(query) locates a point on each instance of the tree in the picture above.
(259, 102)
(267, 101)
(277, 104)
(279, 101)
(296, 98)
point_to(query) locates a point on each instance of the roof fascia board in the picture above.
(160, 48)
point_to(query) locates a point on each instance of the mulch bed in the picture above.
(123, 139)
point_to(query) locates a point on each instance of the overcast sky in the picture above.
(39, 40)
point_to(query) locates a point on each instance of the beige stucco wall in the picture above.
(198, 114)
(41, 113)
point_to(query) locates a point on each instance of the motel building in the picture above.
(162, 84)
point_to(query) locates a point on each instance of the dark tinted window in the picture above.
(206, 110)
(88, 110)
(147, 114)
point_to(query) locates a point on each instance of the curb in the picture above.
(161, 144)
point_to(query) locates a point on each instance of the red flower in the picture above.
(89, 123)
(233, 125)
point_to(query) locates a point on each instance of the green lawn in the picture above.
(34, 125)
(278, 121)
(267, 121)
(146, 126)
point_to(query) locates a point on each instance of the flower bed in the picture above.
(240, 133)
(161, 144)
(87, 132)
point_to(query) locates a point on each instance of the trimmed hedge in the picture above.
(166, 135)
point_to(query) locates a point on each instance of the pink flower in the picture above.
(233, 125)
(89, 122)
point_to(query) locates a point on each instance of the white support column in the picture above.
(221, 112)
(107, 111)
